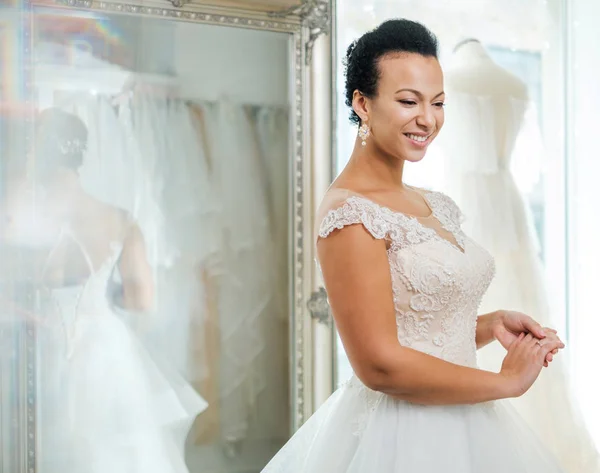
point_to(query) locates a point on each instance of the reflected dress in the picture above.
(105, 405)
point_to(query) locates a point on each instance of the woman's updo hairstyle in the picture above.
(363, 55)
(61, 141)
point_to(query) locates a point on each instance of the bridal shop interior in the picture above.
(162, 162)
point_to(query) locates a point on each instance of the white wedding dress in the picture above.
(439, 276)
(105, 405)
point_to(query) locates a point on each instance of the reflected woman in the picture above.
(105, 404)
(404, 283)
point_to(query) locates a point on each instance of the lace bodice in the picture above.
(439, 275)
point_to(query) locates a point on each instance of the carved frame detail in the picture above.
(315, 17)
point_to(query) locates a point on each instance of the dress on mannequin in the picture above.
(485, 113)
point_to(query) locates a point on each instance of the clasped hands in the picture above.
(508, 325)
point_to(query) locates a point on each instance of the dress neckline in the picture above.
(423, 194)
(456, 244)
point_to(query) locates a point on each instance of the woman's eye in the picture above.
(408, 102)
(440, 104)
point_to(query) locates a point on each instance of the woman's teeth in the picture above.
(417, 137)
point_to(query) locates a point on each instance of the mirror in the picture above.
(155, 218)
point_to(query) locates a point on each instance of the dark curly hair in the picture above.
(61, 140)
(392, 36)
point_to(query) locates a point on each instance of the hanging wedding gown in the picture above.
(106, 404)
(246, 314)
(244, 273)
(439, 276)
(478, 176)
(272, 125)
(187, 234)
(272, 128)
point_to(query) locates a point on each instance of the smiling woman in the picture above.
(395, 90)
(404, 283)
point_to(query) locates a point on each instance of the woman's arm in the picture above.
(485, 328)
(357, 277)
(136, 273)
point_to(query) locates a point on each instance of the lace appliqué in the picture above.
(353, 211)
(436, 300)
(448, 214)
(436, 292)
(402, 231)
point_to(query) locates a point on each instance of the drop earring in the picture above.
(364, 132)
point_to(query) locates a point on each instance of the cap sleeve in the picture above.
(340, 208)
(446, 209)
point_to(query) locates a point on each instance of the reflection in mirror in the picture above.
(155, 217)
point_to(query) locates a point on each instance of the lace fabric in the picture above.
(438, 278)
(438, 274)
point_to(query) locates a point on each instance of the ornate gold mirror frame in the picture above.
(308, 24)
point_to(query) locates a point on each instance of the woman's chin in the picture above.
(414, 156)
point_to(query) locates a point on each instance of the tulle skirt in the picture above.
(362, 431)
(106, 406)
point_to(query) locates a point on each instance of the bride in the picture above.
(404, 283)
(105, 404)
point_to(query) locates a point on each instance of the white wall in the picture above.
(246, 66)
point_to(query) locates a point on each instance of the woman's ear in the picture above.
(361, 106)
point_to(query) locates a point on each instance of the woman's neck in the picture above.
(67, 203)
(374, 169)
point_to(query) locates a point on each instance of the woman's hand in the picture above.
(509, 324)
(524, 361)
